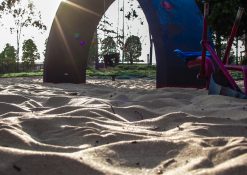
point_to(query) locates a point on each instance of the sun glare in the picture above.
(60, 30)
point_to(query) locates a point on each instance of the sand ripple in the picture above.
(103, 127)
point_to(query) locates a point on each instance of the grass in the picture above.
(125, 71)
(237, 75)
(21, 74)
(121, 72)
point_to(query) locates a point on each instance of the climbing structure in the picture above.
(173, 24)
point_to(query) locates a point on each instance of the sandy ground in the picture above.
(122, 127)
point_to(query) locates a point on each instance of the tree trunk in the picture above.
(236, 59)
(245, 43)
(131, 59)
(218, 45)
(17, 52)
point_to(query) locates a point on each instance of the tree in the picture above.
(133, 14)
(105, 26)
(1, 62)
(8, 59)
(132, 49)
(108, 46)
(24, 15)
(46, 41)
(221, 18)
(93, 51)
(30, 54)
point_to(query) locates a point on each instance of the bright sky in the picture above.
(48, 11)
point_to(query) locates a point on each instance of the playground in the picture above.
(171, 34)
(191, 118)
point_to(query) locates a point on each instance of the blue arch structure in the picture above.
(173, 24)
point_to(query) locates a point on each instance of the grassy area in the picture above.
(21, 74)
(237, 75)
(125, 71)
(121, 71)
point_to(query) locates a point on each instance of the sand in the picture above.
(119, 127)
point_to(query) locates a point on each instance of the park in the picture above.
(96, 105)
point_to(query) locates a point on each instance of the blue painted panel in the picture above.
(174, 24)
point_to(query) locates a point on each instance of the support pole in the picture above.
(233, 34)
(151, 50)
(202, 73)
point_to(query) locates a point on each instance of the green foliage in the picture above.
(237, 75)
(221, 18)
(8, 59)
(132, 49)
(136, 67)
(108, 46)
(121, 71)
(30, 54)
(46, 41)
(223, 13)
(9, 54)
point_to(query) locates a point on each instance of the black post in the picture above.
(151, 50)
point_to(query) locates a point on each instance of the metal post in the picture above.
(123, 55)
(204, 41)
(151, 49)
(237, 50)
(118, 26)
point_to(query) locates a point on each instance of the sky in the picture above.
(48, 11)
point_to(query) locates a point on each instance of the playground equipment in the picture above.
(215, 71)
(194, 59)
(221, 81)
(169, 22)
(111, 60)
